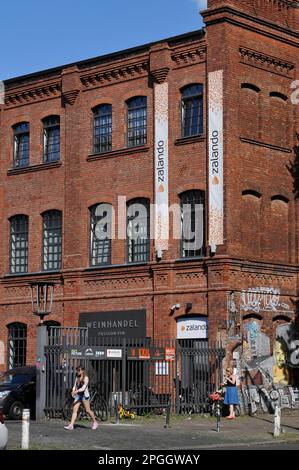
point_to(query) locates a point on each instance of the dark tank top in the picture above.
(229, 384)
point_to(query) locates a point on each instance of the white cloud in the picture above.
(201, 4)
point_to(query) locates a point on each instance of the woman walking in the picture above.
(231, 395)
(80, 394)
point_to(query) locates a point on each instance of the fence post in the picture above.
(167, 417)
(277, 416)
(25, 428)
(177, 379)
(124, 371)
(41, 342)
(116, 414)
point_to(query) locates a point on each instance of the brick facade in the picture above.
(258, 53)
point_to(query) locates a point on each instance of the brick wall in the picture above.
(261, 216)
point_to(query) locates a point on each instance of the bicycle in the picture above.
(216, 400)
(217, 406)
(124, 413)
(97, 404)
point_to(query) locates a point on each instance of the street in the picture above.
(184, 433)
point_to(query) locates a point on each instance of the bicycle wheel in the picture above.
(68, 409)
(100, 408)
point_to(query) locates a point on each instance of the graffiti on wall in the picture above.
(254, 398)
(263, 299)
(233, 319)
(267, 365)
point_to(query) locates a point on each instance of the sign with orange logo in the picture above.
(192, 328)
(215, 101)
(161, 166)
(169, 354)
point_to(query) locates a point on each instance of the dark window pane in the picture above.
(192, 110)
(19, 244)
(52, 139)
(21, 145)
(100, 234)
(138, 231)
(52, 240)
(192, 224)
(102, 131)
(17, 345)
(137, 121)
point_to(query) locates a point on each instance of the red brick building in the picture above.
(83, 134)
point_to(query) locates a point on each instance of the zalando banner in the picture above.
(161, 166)
(215, 104)
(192, 328)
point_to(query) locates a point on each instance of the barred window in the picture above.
(100, 234)
(192, 110)
(52, 240)
(192, 223)
(102, 128)
(17, 345)
(138, 230)
(137, 121)
(52, 139)
(21, 145)
(19, 244)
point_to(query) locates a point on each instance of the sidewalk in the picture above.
(185, 432)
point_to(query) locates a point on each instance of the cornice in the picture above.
(267, 62)
(189, 56)
(116, 74)
(280, 33)
(39, 93)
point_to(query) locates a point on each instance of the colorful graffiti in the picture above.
(267, 366)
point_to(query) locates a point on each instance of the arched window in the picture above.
(52, 240)
(250, 107)
(251, 228)
(102, 128)
(21, 145)
(279, 128)
(17, 345)
(19, 244)
(192, 223)
(101, 219)
(138, 230)
(192, 110)
(137, 121)
(51, 138)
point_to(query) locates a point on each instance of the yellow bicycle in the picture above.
(123, 413)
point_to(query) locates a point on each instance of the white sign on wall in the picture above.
(192, 328)
(215, 101)
(161, 166)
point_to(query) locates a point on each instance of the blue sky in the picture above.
(37, 35)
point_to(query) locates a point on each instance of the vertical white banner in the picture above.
(215, 103)
(161, 166)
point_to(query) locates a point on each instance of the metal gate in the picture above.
(145, 374)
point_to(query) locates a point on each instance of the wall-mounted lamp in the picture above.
(174, 308)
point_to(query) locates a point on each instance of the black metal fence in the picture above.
(145, 374)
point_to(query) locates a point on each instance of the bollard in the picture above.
(25, 428)
(116, 414)
(167, 416)
(277, 416)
